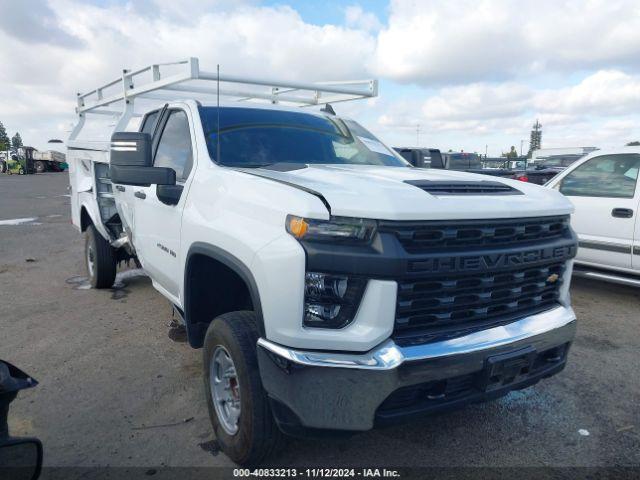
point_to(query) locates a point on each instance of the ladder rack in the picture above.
(117, 98)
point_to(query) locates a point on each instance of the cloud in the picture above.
(34, 22)
(356, 17)
(605, 93)
(245, 40)
(469, 41)
(481, 72)
(600, 110)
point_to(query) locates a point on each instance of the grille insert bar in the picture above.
(451, 303)
(425, 237)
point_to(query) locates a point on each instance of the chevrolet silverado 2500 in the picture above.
(330, 285)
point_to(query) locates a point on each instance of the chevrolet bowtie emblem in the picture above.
(553, 278)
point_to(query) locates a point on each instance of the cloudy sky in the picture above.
(469, 73)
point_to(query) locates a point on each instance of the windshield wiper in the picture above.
(248, 165)
(276, 166)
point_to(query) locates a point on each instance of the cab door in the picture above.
(603, 191)
(123, 194)
(635, 251)
(159, 220)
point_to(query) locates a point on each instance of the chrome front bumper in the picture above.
(329, 390)
(388, 355)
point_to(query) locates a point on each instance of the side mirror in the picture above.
(131, 149)
(142, 176)
(131, 162)
(20, 458)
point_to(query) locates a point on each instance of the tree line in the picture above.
(5, 143)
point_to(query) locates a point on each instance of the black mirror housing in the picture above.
(131, 149)
(20, 458)
(131, 162)
(142, 176)
(169, 194)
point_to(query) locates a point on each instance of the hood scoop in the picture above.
(447, 187)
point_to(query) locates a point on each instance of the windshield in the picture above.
(255, 137)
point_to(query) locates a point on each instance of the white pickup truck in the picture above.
(603, 188)
(331, 285)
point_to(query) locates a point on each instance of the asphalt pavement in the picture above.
(115, 390)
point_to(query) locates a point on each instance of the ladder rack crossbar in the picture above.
(95, 99)
(186, 80)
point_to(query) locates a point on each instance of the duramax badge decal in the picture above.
(165, 249)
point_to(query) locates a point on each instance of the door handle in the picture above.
(622, 213)
(140, 195)
(120, 188)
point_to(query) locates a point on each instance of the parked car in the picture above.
(544, 170)
(421, 157)
(603, 189)
(463, 162)
(545, 153)
(331, 285)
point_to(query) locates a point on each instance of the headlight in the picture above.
(331, 301)
(338, 229)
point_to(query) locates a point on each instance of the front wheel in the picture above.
(238, 405)
(100, 259)
(21, 171)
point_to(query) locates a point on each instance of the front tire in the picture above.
(100, 259)
(238, 405)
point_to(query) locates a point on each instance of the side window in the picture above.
(344, 150)
(174, 148)
(150, 123)
(612, 176)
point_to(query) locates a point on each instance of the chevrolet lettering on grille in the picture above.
(492, 261)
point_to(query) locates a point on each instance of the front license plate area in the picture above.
(506, 369)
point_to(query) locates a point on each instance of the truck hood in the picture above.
(382, 193)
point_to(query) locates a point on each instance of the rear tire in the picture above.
(255, 435)
(40, 167)
(100, 259)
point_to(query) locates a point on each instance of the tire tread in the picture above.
(266, 437)
(105, 263)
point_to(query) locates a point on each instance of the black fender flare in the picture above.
(196, 331)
